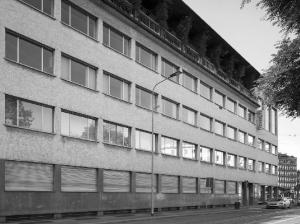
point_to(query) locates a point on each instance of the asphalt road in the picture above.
(211, 216)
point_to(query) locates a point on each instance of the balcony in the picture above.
(153, 27)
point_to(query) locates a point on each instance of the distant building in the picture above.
(287, 178)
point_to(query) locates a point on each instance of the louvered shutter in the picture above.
(25, 176)
(231, 187)
(116, 181)
(189, 185)
(78, 179)
(143, 182)
(203, 186)
(219, 186)
(169, 184)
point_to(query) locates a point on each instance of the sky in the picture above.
(247, 31)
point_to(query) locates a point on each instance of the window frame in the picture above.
(123, 139)
(155, 141)
(210, 154)
(210, 122)
(163, 70)
(195, 81)
(245, 111)
(190, 110)
(235, 160)
(223, 125)
(154, 55)
(177, 146)
(245, 137)
(170, 101)
(223, 160)
(223, 98)
(234, 105)
(253, 164)
(195, 150)
(41, 10)
(245, 162)
(140, 88)
(253, 140)
(209, 88)
(235, 132)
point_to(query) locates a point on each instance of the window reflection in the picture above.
(169, 146)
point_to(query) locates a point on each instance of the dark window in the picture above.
(45, 6)
(116, 87)
(146, 57)
(144, 98)
(168, 68)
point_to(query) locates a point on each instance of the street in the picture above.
(207, 216)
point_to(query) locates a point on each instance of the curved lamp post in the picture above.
(152, 135)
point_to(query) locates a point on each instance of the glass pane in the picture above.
(144, 140)
(126, 91)
(189, 116)
(47, 119)
(230, 132)
(219, 157)
(119, 135)
(105, 35)
(188, 150)
(116, 41)
(106, 127)
(231, 160)
(30, 54)
(78, 126)
(230, 105)
(242, 111)
(242, 137)
(65, 73)
(10, 110)
(116, 87)
(126, 46)
(113, 134)
(219, 128)
(189, 82)
(92, 27)
(30, 115)
(92, 78)
(11, 44)
(219, 99)
(47, 61)
(205, 91)
(106, 83)
(146, 99)
(65, 124)
(78, 73)
(169, 146)
(205, 123)
(145, 57)
(65, 12)
(91, 129)
(126, 136)
(35, 3)
(48, 7)
(205, 154)
(169, 109)
(78, 20)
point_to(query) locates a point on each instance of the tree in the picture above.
(183, 28)
(280, 84)
(161, 13)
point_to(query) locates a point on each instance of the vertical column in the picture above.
(159, 64)
(133, 186)
(2, 191)
(251, 193)
(132, 49)
(198, 185)
(57, 189)
(263, 193)
(100, 190)
(245, 193)
(180, 190)
(158, 191)
(180, 148)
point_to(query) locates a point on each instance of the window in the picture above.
(273, 121)
(219, 157)
(250, 164)
(28, 52)
(273, 169)
(251, 140)
(189, 150)
(146, 57)
(143, 140)
(260, 144)
(231, 160)
(168, 68)
(242, 162)
(78, 19)
(189, 82)
(78, 126)
(219, 99)
(116, 40)
(116, 87)
(144, 98)
(251, 116)
(219, 128)
(205, 154)
(242, 111)
(267, 147)
(231, 105)
(267, 119)
(205, 91)
(27, 114)
(169, 108)
(219, 186)
(274, 149)
(267, 168)
(205, 122)
(242, 137)
(78, 72)
(260, 166)
(189, 116)
(116, 181)
(116, 134)
(169, 146)
(231, 132)
(46, 6)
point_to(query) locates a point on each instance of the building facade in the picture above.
(287, 173)
(75, 135)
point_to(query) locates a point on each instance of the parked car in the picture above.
(290, 199)
(279, 203)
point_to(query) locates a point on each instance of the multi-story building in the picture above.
(287, 173)
(75, 95)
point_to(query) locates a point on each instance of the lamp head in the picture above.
(174, 74)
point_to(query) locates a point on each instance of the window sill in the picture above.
(84, 34)
(116, 98)
(170, 156)
(232, 167)
(167, 116)
(190, 159)
(77, 84)
(205, 162)
(126, 56)
(234, 140)
(193, 91)
(170, 79)
(219, 106)
(206, 130)
(28, 129)
(220, 165)
(146, 108)
(220, 135)
(29, 67)
(206, 98)
(38, 10)
(80, 139)
(192, 125)
(153, 70)
(146, 151)
(128, 148)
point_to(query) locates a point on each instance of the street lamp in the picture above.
(152, 135)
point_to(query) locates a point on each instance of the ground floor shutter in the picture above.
(169, 184)
(143, 182)
(219, 186)
(189, 185)
(78, 179)
(231, 187)
(204, 187)
(26, 176)
(116, 181)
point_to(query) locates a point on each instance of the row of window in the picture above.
(86, 23)
(36, 116)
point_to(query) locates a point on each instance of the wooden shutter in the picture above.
(116, 181)
(219, 186)
(231, 187)
(189, 185)
(78, 179)
(203, 186)
(143, 182)
(26, 176)
(169, 184)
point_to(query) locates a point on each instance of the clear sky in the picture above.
(247, 31)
